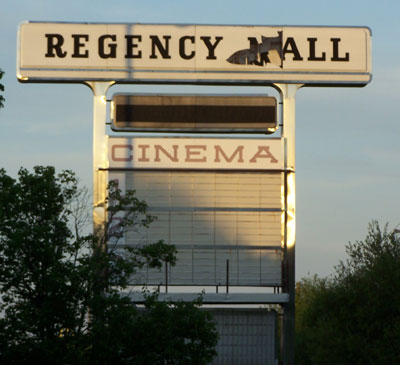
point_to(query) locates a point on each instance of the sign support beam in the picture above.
(100, 158)
(288, 93)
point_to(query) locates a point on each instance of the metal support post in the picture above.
(288, 93)
(99, 90)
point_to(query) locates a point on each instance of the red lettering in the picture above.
(159, 148)
(267, 154)
(143, 157)
(195, 150)
(114, 156)
(219, 150)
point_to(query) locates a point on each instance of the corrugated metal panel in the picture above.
(197, 189)
(224, 228)
(246, 336)
(213, 217)
(208, 267)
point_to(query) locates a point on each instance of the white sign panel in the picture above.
(194, 53)
(212, 216)
(196, 153)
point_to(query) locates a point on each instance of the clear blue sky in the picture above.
(348, 149)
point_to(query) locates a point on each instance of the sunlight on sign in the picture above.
(283, 214)
(291, 217)
(20, 77)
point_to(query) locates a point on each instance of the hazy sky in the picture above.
(348, 170)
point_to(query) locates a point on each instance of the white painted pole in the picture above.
(288, 93)
(100, 139)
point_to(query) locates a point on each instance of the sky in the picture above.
(347, 149)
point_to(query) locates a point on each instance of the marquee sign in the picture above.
(195, 153)
(200, 54)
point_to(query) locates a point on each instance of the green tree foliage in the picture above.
(60, 290)
(353, 317)
(2, 100)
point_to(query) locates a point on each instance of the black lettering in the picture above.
(163, 49)
(54, 43)
(293, 49)
(182, 52)
(78, 45)
(112, 47)
(211, 47)
(312, 56)
(335, 44)
(130, 45)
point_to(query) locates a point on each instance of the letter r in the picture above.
(54, 43)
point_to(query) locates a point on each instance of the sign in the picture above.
(196, 54)
(194, 113)
(196, 153)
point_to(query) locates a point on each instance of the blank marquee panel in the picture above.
(213, 217)
(194, 113)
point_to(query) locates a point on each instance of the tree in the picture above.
(353, 317)
(2, 100)
(60, 289)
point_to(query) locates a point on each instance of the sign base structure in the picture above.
(246, 336)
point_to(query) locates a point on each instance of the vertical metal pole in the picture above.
(99, 151)
(227, 276)
(288, 93)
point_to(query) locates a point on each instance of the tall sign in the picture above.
(207, 192)
(194, 53)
